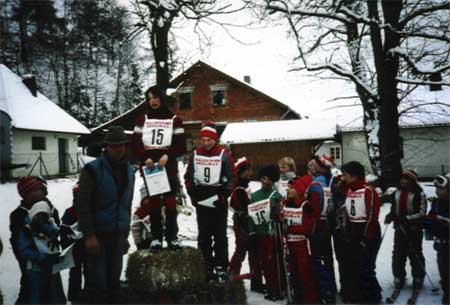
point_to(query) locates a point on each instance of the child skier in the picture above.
(159, 139)
(264, 210)
(297, 213)
(69, 234)
(31, 190)
(38, 244)
(239, 201)
(408, 208)
(140, 222)
(438, 220)
(319, 195)
(209, 179)
(362, 205)
(287, 173)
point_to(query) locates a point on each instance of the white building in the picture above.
(34, 131)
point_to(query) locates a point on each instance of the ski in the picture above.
(412, 300)
(394, 296)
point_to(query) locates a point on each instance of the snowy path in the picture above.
(60, 193)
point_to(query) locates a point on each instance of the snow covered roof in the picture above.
(34, 113)
(278, 131)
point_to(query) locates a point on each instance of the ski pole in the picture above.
(277, 256)
(285, 266)
(434, 289)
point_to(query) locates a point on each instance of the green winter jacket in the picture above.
(264, 225)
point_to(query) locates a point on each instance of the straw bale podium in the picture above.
(176, 277)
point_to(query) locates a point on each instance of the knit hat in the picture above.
(209, 130)
(115, 135)
(410, 174)
(242, 164)
(301, 184)
(39, 207)
(321, 165)
(270, 171)
(27, 185)
(443, 181)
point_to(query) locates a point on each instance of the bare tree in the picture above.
(386, 48)
(157, 17)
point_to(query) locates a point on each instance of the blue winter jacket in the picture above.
(111, 212)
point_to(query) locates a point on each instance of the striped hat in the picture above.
(209, 130)
(242, 164)
(27, 185)
(301, 185)
(410, 174)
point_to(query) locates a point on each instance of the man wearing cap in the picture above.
(31, 190)
(437, 224)
(319, 195)
(209, 179)
(103, 205)
(408, 208)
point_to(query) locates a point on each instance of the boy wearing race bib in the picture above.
(263, 210)
(158, 140)
(298, 215)
(287, 173)
(319, 195)
(209, 179)
(362, 205)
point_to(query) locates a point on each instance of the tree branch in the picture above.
(420, 82)
(423, 11)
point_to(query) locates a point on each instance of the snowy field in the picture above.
(60, 194)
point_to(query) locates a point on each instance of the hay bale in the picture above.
(149, 272)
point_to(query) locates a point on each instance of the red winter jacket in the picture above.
(371, 228)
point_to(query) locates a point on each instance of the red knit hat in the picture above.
(28, 184)
(320, 165)
(301, 185)
(209, 130)
(410, 174)
(242, 164)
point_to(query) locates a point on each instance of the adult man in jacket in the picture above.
(103, 205)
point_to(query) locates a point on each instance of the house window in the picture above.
(335, 152)
(38, 143)
(185, 100)
(185, 97)
(218, 95)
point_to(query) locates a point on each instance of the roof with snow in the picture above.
(278, 131)
(33, 113)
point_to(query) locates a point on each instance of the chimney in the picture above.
(30, 81)
(247, 79)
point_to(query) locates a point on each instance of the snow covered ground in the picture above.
(60, 193)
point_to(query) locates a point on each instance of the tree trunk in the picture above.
(389, 133)
(160, 46)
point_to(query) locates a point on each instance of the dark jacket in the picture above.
(105, 194)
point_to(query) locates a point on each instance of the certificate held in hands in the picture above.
(156, 180)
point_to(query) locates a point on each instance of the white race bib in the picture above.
(355, 206)
(157, 134)
(327, 204)
(293, 216)
(282, 187)
(207, 169)
(259, 211)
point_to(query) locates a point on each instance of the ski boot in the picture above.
(257, 286)
(175, 245)
(155, 245)
(273, 296)
(221, 274)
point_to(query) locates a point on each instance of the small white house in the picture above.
(37, 137)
